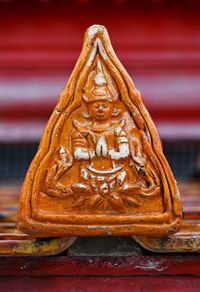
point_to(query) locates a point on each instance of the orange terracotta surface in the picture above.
(99, 169)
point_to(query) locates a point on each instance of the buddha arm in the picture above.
(81, 153)
(80, 147)
(122, 153)
(123, 148)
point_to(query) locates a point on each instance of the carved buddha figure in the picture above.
(112, 170)
(103, 146)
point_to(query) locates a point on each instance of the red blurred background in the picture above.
(158, 42)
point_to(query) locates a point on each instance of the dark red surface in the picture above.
(101, 284)
(156, 265)
(60, 273)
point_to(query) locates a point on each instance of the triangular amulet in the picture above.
(99, 169)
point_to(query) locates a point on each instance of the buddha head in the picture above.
(100, 107)
(100, 97)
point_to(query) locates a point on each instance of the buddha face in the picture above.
(100, 110)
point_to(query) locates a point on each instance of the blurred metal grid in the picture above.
(182, 158)
(15, 159)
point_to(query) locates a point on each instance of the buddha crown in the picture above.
(99, 86)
